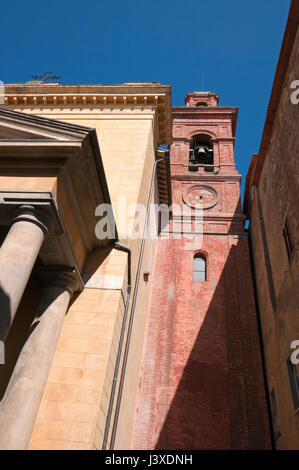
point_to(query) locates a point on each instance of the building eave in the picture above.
(140, 96)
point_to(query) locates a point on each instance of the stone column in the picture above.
(18, 254)
(20, 404)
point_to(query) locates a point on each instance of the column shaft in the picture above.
(20, 404)
(17, 257)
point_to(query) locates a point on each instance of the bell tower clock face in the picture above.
(201, 195)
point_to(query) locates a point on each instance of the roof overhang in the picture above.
(127, 95)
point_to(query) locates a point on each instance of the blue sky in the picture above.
(234, 43)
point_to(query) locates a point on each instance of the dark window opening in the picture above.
(201, 104)
(293, 370)
(201, 154)
(288, 239)
(199, 268)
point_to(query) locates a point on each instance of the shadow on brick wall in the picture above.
(219, 402)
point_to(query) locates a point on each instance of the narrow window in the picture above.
(275, 420)
(293, 370)
(288, 239)
(199, 268)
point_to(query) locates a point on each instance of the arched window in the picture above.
(201, 103)
(201, 153)
(199, 268)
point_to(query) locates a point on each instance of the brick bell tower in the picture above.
(201, 382)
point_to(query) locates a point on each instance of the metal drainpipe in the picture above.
(126, 352)
(127, 250)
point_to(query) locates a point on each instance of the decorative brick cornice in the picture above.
(214, 178)
(181, 113)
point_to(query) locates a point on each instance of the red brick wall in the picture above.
(201, 384)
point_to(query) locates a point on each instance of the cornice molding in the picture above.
(182, 113)
(43, 126)
(213, 139)
(116, 96)
(204, 109)
(215, 178)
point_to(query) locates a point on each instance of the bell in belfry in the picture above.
(201, 153)
(202, 150)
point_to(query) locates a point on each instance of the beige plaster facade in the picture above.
(130, 121)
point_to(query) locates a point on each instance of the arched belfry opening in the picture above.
(201, 153)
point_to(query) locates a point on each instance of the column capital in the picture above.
(65, 277)
(38, 207)
(41, 209)
(35, 215)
